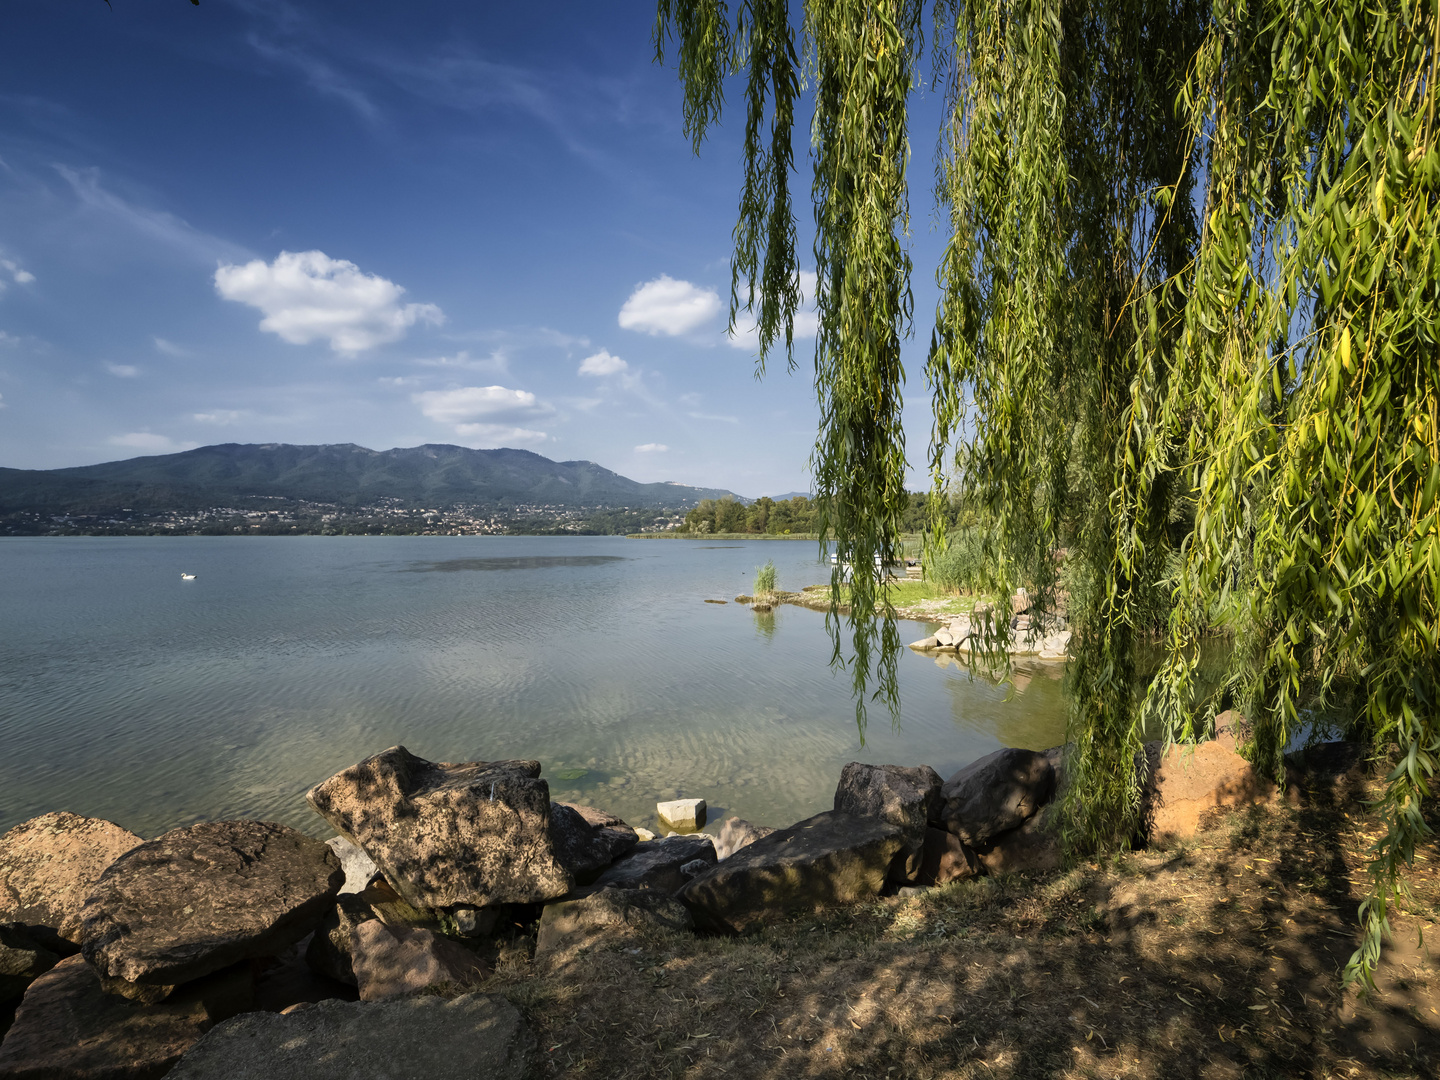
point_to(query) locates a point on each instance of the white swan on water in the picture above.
(186, 577)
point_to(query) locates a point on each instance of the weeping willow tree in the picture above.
(1189, 331)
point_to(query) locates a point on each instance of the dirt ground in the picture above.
(1217, 958)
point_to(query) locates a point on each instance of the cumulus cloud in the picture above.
(651, 448)
(670, 307)
(308, 296)
(150, 442)
(602, 363)
(467, 404)
(122, 371)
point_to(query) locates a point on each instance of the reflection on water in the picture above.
(127, 694)
(513, 562)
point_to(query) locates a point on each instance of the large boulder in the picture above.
(1032, 847)
(831, 858)
(392, 961)
(582, 848)
(607, 915)
(475, 833)
(49, 864)
(945, 858)
(22, 960)
(656, 864)
(431, 1037)
(737, 833)
(69, 1027)
(904, 796)
(1189, 783)
(996, 794)
(200, 898)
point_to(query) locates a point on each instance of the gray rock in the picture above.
(996, 794)
(945, 858)
(656, 865)
(392, 961)
(695, 867)
(475, 833)
(200, 898)
(68, 1027)
(328, 953)
(619, 836)
(476, 922)
(459, 1039)
(735, 834)
(1030, 848)
(606, 915)
(49, 864)
(903, 796)
(583, 849)
(22, 960)
(359, 868)
(831, 858)
(926, 644)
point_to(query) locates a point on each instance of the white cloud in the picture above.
(145, 440)
(470, 403)
(712, 416)
(17, 273)
(497, 363)
(651, 448)
(492, 435)
(308, 296)
(602, 363)
(223, 417)
(668, 306)
(122, 371)
(169, 348)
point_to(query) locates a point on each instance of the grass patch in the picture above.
(765, 583)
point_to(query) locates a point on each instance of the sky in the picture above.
(387, 224)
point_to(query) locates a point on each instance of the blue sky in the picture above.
(258, 221)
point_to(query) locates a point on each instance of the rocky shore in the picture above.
(245, 948)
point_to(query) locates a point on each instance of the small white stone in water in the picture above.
(683, 815)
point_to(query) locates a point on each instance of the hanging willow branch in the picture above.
(1220, 401)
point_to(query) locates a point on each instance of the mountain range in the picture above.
(343, 474)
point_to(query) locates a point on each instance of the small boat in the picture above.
(186, 577)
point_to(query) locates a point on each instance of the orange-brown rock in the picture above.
(1190, 783)
(49, 864)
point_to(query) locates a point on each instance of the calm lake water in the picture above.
(129, 694)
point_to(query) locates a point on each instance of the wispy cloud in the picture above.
(307, 296)
(221, 417)
(712, 416)
(169, 348)
(150, 442)
(492, 435)
(497, 363)
(18, 274)
(322, 76)
(651, 448)
(122, 371)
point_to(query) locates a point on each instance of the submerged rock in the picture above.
(458, 1039)
(831, 858)
(200, 898)
(49, 864)
(448, 834)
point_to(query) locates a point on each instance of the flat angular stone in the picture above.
(831, 858)
(945, 858)
(445, 834)
(359, 868)
(735, 834)
(904, 796)
(606, 915)
(391, 961)
(49, 864)
(656, 864)
(431, 1037)
(22, 961)
(200, 898)
(996, 794)
(68, 1027)
(682, 815)
(1190, 782)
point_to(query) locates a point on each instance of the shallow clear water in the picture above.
(129, 694)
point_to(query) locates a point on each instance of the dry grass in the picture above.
(1218, 958)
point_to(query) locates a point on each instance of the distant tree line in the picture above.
(767, 517)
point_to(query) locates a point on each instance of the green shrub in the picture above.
(765, 579)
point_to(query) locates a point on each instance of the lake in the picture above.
(130, 694)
